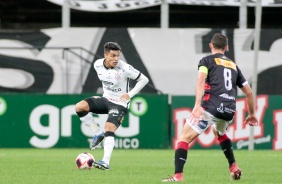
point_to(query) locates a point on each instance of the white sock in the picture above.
(88, 120)
(109, 144)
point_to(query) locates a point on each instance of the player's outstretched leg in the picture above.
(235, 172)
(101, 165)
(97, 139)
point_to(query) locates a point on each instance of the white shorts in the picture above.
(207, 120)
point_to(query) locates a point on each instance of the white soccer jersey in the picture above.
(115, 81)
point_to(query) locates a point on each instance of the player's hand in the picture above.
(196, 114)
(124, 98)
(251, 120)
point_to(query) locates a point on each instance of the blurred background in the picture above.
(47, 53)
(40, 14)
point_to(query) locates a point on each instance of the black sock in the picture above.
(82, 113)
(180, 159)
(227, 149)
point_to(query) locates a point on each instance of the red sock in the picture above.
(182, 145)
(180, 156)
(178, 176)
(222, 138)
(226, 146)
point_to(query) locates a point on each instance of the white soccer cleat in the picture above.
(176, 178)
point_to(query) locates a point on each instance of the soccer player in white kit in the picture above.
(114, 75)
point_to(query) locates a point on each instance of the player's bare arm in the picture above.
(197, 110)
(251, 119)
(124, 98)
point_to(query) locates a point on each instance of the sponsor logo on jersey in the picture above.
(226, 96)
(113, 111)
(112, 99)
(230, 111)
(220, 109)
(112, 89)
(225, 63)
(107, 83)
(202, 124)
(109, 77)
(99, 66)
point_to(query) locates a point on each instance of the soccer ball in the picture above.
(84, 161)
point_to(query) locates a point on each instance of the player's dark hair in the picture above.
(219, 41)
(111, 46)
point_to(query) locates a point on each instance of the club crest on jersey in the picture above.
(220, 109)
(118, 76)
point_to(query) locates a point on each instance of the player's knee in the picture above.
(78, 107)
(215, 132)
(189, 136)
(81, 106)
(110, 126)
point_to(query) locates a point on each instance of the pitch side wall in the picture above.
(61, 63)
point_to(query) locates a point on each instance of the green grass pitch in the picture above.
(54, 166)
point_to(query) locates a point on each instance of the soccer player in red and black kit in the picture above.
(215, 104)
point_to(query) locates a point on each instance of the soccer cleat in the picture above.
(235, 172)
(101, 165)
(176, 178)
(97, 139)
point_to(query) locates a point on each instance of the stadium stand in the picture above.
(40, 14)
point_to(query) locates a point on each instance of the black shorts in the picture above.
(101, 105)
